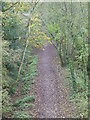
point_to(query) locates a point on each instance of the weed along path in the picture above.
(52, 99)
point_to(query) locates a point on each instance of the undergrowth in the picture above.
(80, 97)
(26, 101)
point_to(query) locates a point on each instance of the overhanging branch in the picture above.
(9, 7)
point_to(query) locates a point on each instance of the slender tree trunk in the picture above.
(70, 58)
(60, 54)
(27, 42)
(88, 67)
(83, 50)
(60, 47)
(72, 75)
(88, 64)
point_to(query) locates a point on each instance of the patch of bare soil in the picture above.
(52, 98)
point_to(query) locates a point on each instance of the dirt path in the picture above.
(52, 99)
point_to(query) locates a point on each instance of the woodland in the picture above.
(27, 27)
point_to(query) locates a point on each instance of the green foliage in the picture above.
(12, 90)
(31, 106)
(32, 69)
(30, 73)
(80, 97)
(6, 105)
(81, 101)
(21, 114)
(67, 26)
(10, 69)
(72, 75)
(27, 99)
(12, 27)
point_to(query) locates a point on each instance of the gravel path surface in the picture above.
(52, 99)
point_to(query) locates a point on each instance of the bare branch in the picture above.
(9, 7)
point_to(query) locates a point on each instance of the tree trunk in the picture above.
(88, 67)
(72, 75)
